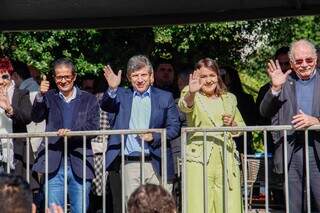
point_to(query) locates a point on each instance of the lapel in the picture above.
(15, 98)
(57, 102)
(128, 98)
(291, 86)
(316, 95)
(154, 107)
(77, 106)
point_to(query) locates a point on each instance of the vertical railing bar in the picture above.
(104, 177)
(8, 153)
(307, 169)
(266, 172)
(225, 173)
(183, 172)
(142, 163)
(286, 183)
(28, 160)
(164, 157)
(245, 171)
(84, 206)
(65, 173)
(123, 206)
(205, 173)
(46, 172)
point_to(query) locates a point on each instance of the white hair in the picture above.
(305, 42)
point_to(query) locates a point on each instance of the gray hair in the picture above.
(299, 42)
(138, 62)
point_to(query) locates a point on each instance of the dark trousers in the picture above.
(114, 197)
(297, 180)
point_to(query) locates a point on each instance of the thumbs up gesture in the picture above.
(44, 85)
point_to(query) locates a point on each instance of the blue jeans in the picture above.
(56, 189)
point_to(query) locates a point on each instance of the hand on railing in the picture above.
(63, 132)
(54, 209)
(302, 120)
(147, 137)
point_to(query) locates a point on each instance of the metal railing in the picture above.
(84, 135)
(244, 130)
(184, 139)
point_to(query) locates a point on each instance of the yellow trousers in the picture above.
(195, 184)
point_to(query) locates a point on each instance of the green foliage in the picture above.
(247, 45)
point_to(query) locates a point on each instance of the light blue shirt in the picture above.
(139, 119)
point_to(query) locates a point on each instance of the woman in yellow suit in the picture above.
(207, 104)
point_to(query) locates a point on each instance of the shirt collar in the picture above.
(311, 76)
(144, 94)
(73, 96)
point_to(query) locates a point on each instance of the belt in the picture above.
(137, 158)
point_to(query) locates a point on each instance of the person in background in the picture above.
(164, 77)
(22, 77)
(318, 57)
(207, 104)
(294, 99)
(15, 114)
(246, 105)
(98, 144)
(151, 198)
(283, 58)
(65, 109)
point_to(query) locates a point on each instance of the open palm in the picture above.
(112, 79)
(278, 78)
(194, 82)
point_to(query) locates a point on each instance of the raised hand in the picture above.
(278, 78)
(44, 85)
(194, 82)
(112, 79)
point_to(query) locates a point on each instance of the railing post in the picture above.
(46, 174)
(142, 163)
(84, 188)
(205, 173)
(225, 173)
(266, 172)
(164, 157)
(245, 172)
(123, 205)
(286, 183)
(28, 160)
(183, 173)
(306, 143)
(65, 174)
(104, 177)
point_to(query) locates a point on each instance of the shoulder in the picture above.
(21, 92)
(86, 95)
(163, 93)
(229, 97)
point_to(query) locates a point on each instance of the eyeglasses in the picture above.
(66, 77)
(307, 60)
(5, 77)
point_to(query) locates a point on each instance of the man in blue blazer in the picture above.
(141, 107)
(66, 109)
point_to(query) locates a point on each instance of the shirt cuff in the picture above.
(112, 92)
(275, 93)
(39, 97)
